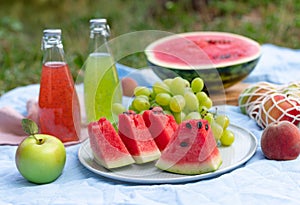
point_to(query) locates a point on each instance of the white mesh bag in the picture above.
(278, 107)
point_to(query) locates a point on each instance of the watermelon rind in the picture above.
(192, 150)
(120, 162)
(229, 75)
(141, 159)
(211, 164)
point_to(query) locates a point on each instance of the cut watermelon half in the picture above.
(137, 138)
(107, 146)
(202, 50)
(192, 150)
(160, 125)
(217, 57)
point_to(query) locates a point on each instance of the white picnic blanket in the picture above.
(259, 181)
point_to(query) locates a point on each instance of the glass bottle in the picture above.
(59, 109)
(101, 81)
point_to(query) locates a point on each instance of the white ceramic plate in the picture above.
(237, 154)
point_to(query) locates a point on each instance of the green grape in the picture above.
(209, 117)
(203, 110)
(178, 86)
(197, 85)
(188, 89)
(143, 96)
(140, 104)
(160, 87)
(179, 116)
(118, 108)
(222, 120)
(142, 90)
(207, 103)
(163, 99)
(168, 81)
(191, 101)
(204, 100)
(227, 138)
(187, 83)
(177, 103)
(192, 115)
(201, 96)
(217, 130)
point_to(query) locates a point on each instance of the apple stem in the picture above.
(38, 140)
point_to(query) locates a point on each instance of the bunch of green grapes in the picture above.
(183, 100)
(219, 124)
(176, 96)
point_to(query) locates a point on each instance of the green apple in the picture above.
(40, 158)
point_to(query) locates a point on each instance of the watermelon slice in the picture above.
(192, 150)
(107, 146)
(137, 138)
(160, 125)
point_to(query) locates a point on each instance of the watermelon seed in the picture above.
(225, 56)
(206, 127)
(199, 125)
(183, 144)
(188, 125)
(217, 41)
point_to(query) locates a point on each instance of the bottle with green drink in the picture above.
(101, 82)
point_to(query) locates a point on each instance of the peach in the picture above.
(279, 107)
(253, 95)
(128, 85)
(281, 141)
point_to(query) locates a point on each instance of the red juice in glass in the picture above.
(59, 110)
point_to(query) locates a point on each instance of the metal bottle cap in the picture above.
(51, 37)
(52, 32)
(98, 22)
(99, 26)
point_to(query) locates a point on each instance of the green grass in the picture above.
(21, 25)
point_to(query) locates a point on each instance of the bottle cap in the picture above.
(51, 37)
(52, 32)
(100, 26)
(98, 21)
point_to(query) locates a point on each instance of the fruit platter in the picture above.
(170, 133)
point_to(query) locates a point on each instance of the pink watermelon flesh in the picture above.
(204, 48)
(192, 150)
(137, 138)
(160, 125)
(107, 146)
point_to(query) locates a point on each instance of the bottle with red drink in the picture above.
(59, 109)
